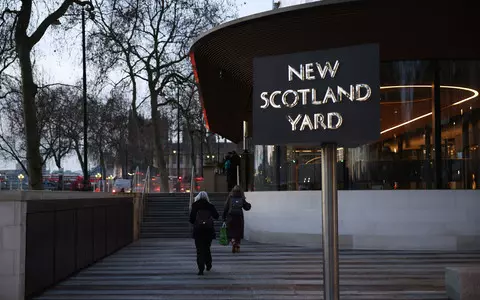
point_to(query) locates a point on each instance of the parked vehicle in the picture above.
(122, 185)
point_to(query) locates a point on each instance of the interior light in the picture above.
(475, 94)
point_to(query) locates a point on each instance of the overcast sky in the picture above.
(60, 61)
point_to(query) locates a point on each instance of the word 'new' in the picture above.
(307, 71)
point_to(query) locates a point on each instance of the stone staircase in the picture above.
(166, 215)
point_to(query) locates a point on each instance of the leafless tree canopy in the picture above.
(147, 41)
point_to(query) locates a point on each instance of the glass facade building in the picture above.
(429, 139)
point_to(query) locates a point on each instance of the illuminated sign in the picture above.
(317, 97)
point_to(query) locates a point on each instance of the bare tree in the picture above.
(153, 39)
(110, 44)
(188, 106)
(57, 135)
(7, 48)
(19, 22)
(109, 122)
(12, 141)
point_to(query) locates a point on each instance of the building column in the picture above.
(428, 175)
(467, 183)
(437, 128)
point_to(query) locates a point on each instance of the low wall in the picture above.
(47, 236)
(12, 248)
(387, 220)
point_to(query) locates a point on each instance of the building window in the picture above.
(460, 130)
(404, 156)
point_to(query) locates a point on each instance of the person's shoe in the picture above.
(200, 273)
(209, 267)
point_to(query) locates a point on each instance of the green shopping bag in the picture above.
(223, 235)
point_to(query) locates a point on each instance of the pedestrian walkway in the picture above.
(166, 269)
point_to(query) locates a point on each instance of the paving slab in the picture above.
(166, 269)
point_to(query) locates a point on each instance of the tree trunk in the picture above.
(134, 134)
(58, 162)
(159, 151)
(77, 151)
(29, 90)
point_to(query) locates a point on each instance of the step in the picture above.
(150, 217)
(173, 233)
(166, 229)
(164, 236)
(167, 210)
(167, 234)
(159, 203)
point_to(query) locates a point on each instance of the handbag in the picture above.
(223, 235)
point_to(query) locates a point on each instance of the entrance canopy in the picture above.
(404, 30)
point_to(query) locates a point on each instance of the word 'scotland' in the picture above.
(291, 98)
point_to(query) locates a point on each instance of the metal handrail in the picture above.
(192, 186)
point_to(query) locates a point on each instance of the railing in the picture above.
(145, 191)
(192, 187)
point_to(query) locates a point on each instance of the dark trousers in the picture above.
(204, 256)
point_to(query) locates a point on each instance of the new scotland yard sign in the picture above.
(317, 97)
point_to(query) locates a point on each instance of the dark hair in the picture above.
(237, 192)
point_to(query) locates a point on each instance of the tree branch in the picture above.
(53, 17)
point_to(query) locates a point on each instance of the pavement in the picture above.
(166, 269)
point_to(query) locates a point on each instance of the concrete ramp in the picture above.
(166, 269)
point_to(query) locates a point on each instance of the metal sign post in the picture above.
(330, 96)
(330, 222)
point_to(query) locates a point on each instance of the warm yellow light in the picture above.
(313, 159)
(475, 94)
(405, 123)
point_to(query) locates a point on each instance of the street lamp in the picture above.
(110, 178)
(178, 137)
(98, 176)
(20, 178)
(87, 6)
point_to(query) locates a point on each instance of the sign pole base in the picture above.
(330, 222)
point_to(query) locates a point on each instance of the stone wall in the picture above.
(387, 220)
(12, 249)
(47, 236)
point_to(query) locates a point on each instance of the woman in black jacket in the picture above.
(201, 216)
(233, 215)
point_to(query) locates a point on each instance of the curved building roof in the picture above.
(405, 30)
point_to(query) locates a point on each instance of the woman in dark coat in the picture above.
(201, 216)
(233, 216)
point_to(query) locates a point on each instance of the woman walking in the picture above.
(201, 216)
(233, 216)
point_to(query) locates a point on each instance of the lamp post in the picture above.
(85, 118)
(98, 176)
(20, 178)
(88, 6)
(178, 139)
(110, 178)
